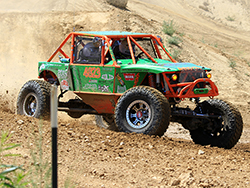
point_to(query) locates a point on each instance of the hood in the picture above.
(146, 65)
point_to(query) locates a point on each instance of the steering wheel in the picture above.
(139, 55)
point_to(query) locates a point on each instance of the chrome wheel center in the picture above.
(138, 114)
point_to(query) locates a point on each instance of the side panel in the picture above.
(93, 78)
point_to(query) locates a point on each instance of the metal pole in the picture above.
(53, 111)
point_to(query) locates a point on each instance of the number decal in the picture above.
(92, 72)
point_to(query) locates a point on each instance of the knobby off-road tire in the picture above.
(106, 122)
(143, 109)
(34, 99)
(229, 126)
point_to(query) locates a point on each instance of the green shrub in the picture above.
(230, 18)
(174, 40)
(232, 63)
(203, 40)
(169, 27)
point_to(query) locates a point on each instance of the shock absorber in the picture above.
(151, 80)
(158, 81)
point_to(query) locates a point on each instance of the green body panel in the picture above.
(61, 70)
(108, 78)
(146, 65)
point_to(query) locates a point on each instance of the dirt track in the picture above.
(93, 157)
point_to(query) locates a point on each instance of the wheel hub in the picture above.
(138, 114)
(30, 104)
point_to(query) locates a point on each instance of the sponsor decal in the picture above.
(92, 72)
(136, 79)
(103, 88)
(62, 74)
(92, 87)
(107, 77)
(105, 82)
(108, 69)
(120, 79)
(129, 76)
(64, 85)
(121, 89)
(92, 81)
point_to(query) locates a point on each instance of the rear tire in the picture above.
(106, 122)
(143, 109)
(225, 131)
(34, 99)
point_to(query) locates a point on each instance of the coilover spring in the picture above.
(151, 80)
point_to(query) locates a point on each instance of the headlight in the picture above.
(209, 75)
(174, 77)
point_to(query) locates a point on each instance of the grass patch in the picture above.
(203, 40)
(12, 175)
(230, 18)
(248, 63)
(174, 40)
(232, 63)
(169, 27)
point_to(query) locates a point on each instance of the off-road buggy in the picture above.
(138, 91)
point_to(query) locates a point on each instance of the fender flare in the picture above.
(49, 76)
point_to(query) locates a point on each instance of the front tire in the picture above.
(223, 132)
(143, 109)
(34, 99)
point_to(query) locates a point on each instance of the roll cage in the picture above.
(108, 41)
